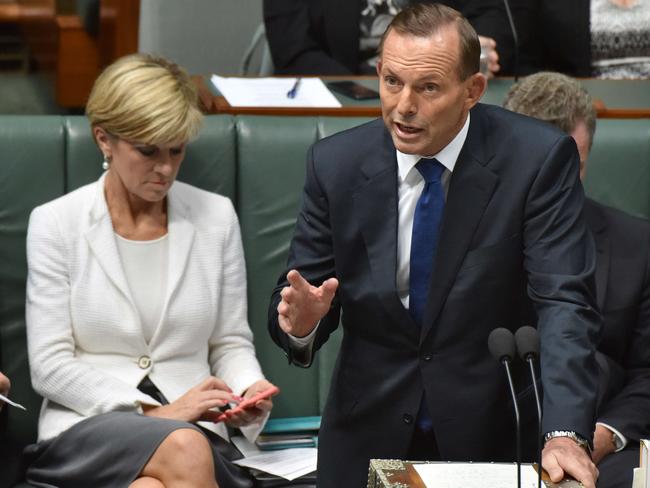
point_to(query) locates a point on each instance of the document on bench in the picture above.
(10, 402)
(272, 92)
(475, 475)
(286, 463)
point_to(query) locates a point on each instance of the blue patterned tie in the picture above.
(424, 241)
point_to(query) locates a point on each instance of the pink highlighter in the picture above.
(249, 403)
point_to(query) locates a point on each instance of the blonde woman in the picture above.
(136, 304)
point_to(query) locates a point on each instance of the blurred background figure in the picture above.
(622, 282)
(599, 38)
(339, 37)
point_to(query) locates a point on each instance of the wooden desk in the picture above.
(622, 99)
(395, 473)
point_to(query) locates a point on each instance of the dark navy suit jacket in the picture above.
(512, 234)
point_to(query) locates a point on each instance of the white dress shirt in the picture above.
(410, 184)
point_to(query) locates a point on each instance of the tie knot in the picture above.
(430, 169)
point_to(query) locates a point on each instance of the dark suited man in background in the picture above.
(426, 231)
(337, 37)
(622, 282)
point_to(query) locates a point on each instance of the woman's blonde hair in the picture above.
(145, 99)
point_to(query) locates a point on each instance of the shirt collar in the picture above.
(447, 156)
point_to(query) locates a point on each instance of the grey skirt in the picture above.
(110, 451)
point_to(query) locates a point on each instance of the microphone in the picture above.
(527, 340)
(515, 40)
(501, 344)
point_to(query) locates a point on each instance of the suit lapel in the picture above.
(470, 190)
(598, 225)
(101, 239)
(379, 227)
(181, 237)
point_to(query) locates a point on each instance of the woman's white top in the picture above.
(145, 266)
(88, 349)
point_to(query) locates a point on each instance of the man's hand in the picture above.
(603, 444)
(250, 415)
(5, 384)
(562, 457)
(489, 46)
(303, 305)
(199, 403)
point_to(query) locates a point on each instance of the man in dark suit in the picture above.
(324, 37)
(622, 282)
(414, 378)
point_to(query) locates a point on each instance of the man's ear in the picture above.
(379, 63)
(476, 85)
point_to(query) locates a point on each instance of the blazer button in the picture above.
(427, 356)
(144, 362)
(408, 419)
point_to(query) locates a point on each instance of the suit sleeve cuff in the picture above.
(622, 440)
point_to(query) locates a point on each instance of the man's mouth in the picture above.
(407, 129)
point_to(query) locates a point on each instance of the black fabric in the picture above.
(110, 450)
(321, 37)
(617, 469)
(554, 35)
(623, 285)
(423, 446)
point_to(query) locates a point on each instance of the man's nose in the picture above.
(407, 103)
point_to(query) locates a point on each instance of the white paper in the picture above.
(12, 403)
(286, 463)
(475, 475)
(272, 92)
(246, 447)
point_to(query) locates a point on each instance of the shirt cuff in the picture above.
(621, 437)
(302, 347)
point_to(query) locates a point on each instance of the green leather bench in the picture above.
(259, 163)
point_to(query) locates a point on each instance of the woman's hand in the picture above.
(251, 415)
(197, 403)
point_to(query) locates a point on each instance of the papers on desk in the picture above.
(272, 92)
(12, 403)
(287, 463)
(475, 475)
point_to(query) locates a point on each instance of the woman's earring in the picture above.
(107, 163)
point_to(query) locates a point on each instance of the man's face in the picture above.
(581, 135)
(424, 104)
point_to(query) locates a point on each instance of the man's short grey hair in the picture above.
(555, 98)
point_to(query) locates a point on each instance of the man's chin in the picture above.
(406, 147)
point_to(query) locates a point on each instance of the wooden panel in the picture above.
(118, 29)
(77, 63)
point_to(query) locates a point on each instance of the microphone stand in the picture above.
(530, 359)
(506, 363)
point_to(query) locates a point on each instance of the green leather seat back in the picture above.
(31, 173)
(618, 170)
(209, 162)
(271, 172)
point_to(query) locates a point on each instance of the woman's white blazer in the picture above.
(87, 352)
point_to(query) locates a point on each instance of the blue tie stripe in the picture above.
(424, 242)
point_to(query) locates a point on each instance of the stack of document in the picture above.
(287, 463)
(291, 432)
(275, 92)
(642, 473)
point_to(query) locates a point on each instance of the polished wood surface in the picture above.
(77, 62)
(621, 99)
(118, 29)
